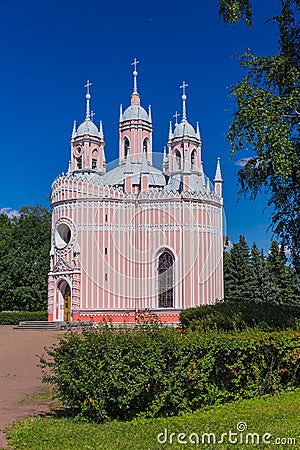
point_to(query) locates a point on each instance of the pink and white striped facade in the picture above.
(135, 238)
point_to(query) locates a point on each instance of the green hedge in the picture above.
(238, 316)
(124, 374)
(13, 318)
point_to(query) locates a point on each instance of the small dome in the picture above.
(184, 129)
(87, 127)
(135, 112)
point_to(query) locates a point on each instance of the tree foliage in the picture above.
(281, 275)
(266, 120)
(250, 276)
(24, 259)
(264, 290)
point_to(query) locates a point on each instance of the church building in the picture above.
(135, 238)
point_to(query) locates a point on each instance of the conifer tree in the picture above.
(238, 272)
(281, 275)
(263, 288)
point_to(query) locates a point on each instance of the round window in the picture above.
(62, 235)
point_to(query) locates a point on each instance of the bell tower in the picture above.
(87, 143)
(135, 129)
(184, 143)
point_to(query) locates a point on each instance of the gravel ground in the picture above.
(19, 375)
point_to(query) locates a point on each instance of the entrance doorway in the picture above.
(63, 301)
(67, 303)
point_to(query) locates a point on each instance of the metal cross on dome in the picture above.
(176, 115)
(183, 86)
(87, 85)
(134, 64)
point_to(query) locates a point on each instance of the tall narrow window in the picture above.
(145, 146)
(94, 159)
(194, 160)
(126, 147)
(178, 159)
(166, 280)
(79, 163)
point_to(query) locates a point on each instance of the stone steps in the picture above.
(37, 325)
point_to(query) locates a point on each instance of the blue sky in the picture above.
(50, 48)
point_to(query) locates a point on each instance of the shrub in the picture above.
(238, 316)
(14, 317)
(110, 374)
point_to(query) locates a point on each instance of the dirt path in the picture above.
(19, 374)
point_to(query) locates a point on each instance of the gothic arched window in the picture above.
(178, 159)
(145, 146)
(194, 160)
(94, 159)
(165, 280)
(126, 147)
(79, 162)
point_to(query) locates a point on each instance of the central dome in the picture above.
(87, 127)
(135, 112)
(184, 129)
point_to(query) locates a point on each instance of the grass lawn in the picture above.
(276, 419)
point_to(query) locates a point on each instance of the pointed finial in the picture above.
(92, 115)
(183, 86)
(176, 115)
(101, 129)
(70, 167)
(170, 130)
(88, 97)
(218, 175)
(121, 112)
(198, 131)
(165, 159)
(149, 113)
(207, 185)
(135, 73)
(74, 129)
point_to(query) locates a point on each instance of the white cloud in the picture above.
(229, 246)
(9, 212)
(242, 162)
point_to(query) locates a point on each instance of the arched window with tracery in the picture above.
(194, 160)
(126, 147)
(178, 159)
(165, 280)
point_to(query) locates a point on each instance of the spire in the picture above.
(74, 129)
(207, 186)
(183, 86)
(101, 129)
(170, 131)
(121, 113)
(88, 97)
(198, 131)
(218, 175)
(135, 73)
(165, 159)
(135, 97)
(149, 113)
